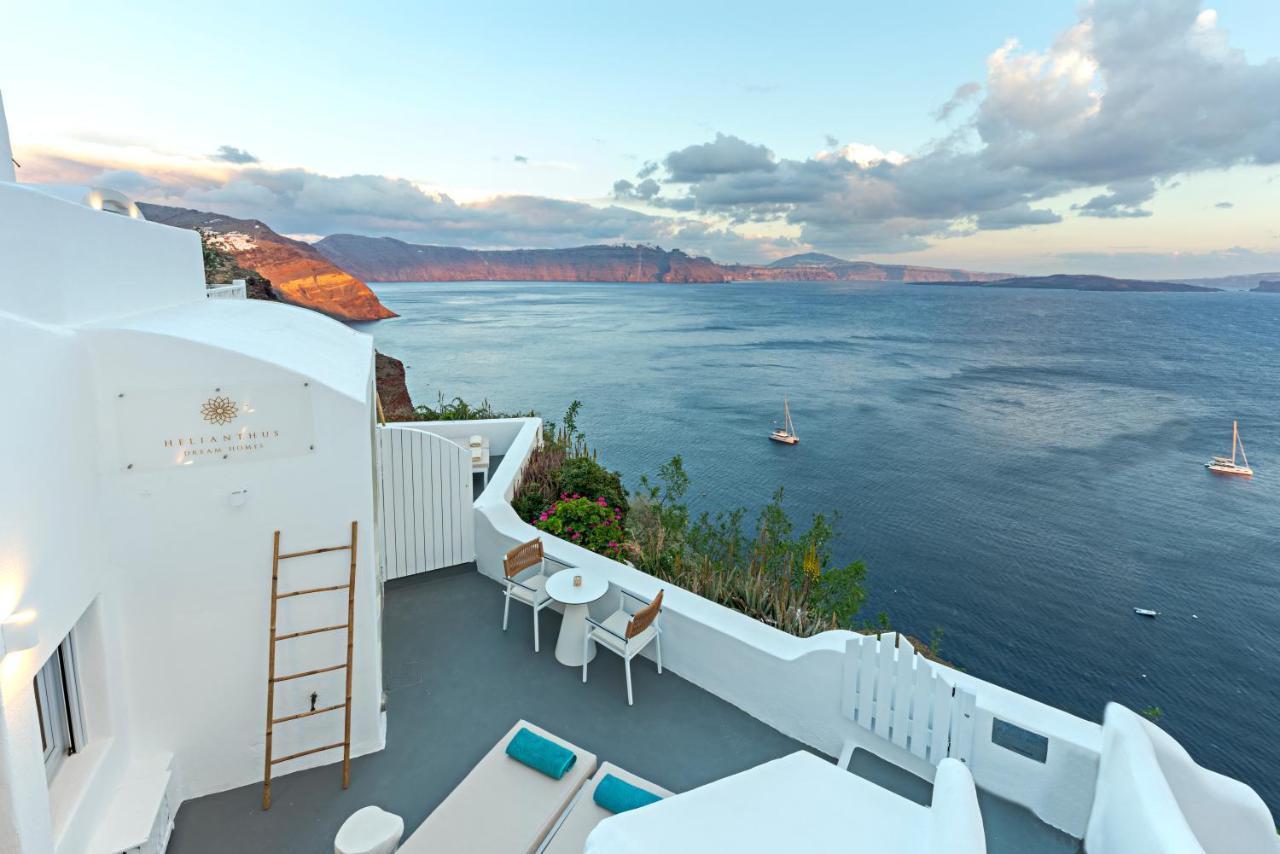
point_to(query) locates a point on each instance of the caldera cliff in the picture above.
(297, 273)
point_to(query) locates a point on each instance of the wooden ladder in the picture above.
(273, 680)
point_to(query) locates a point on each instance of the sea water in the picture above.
(1019, 469)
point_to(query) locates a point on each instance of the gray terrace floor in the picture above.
(456, 683)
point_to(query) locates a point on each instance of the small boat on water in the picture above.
(1146, 612)
(1222, 465)
(786, 434)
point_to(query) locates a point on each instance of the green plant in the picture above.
(775, 575)
(563, 465)
(585, 476)
(459, 410)
(1152, 713)
(590, 523)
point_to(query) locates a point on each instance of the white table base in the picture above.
(573, 628)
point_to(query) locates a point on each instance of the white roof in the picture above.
(797, 803)
(295, 339)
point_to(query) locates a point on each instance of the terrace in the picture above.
(455, 683)
(735, 693)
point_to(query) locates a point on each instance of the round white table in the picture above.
(573, 628)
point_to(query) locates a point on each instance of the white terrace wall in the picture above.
(164, 581)
(795, 684)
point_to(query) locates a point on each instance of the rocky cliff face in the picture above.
(298, 274)
(393, 393)
(383, 259)
(1267, 287)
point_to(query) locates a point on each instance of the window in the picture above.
(58, 707)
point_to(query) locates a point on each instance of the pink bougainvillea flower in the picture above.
(543, 517)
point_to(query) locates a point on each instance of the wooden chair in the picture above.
(532, 591)
(626, 633)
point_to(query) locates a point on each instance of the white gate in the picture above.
(427, 517)
(896, 693)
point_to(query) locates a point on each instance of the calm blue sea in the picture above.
(1017, 468)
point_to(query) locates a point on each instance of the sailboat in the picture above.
(785, 434)
(1222, 465)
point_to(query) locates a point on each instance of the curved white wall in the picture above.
(1152, 798)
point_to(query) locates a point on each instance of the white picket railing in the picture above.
(425, 486)
(236, 290)
(895, 692)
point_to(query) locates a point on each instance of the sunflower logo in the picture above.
(219, 410)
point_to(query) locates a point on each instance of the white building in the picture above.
(154, 442)
(140, 533)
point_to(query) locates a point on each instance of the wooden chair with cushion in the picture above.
(625, 633)
(532, 590)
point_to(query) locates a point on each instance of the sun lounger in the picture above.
(585, 814)
(502, 806)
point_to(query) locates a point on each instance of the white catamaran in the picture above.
(1222, 465)
(785, 434)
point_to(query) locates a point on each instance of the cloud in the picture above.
(1016, 216)
(645, 190)
(1123, 199)
(520, 158)
(726, 155)
(299, 201)
(1133, 95)
(231, 154)
(647, 169)
(1225, 205)
(964, 93)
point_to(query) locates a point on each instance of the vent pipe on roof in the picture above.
(6, 152)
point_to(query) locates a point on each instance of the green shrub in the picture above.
(563, 465)
(585, 476)
(776, 576)
(588, 522)
(459, 410)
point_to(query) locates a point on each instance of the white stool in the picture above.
(370, 830)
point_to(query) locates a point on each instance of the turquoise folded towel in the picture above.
(619, 796)
(541, 754)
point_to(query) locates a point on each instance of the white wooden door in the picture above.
(426, 486)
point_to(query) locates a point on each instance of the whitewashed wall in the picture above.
(165, 581)
(1153, 798)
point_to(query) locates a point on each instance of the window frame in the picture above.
(59, 709)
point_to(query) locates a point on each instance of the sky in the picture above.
(1125, 137)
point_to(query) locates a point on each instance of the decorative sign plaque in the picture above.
(213, 425)
(1030, 744)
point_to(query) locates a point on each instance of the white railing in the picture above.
(893, 691)
(236, 290)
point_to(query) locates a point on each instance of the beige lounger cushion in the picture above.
(585, 813)
(502, 806)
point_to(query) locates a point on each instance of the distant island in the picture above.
(1270, 287)
(1069, 282)
(385, 259)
